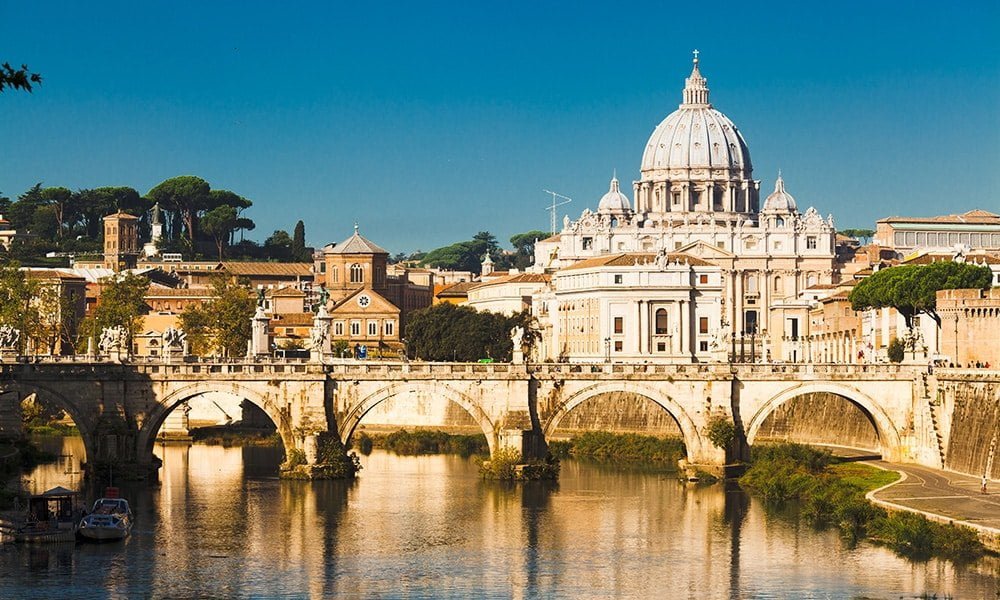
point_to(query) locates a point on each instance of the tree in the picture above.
(299, 253)
(862, 235)
(912, 289)
(223, 324)
(16, 293)
(93, 205)
(61, 200)
(464, 256)
(220, 223)
(184, 196)
(18, 79)
(122, 303)
(446, 332)
(278, 246)
(524, 247)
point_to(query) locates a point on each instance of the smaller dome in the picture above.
(614, 200)
(779, 200)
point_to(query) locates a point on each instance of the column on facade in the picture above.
(643, 331)
(710, 196)
(686, 333)
(738, 295)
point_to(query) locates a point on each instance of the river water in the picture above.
(220, 524)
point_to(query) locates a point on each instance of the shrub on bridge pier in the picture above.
(332, 461)
(507, 464)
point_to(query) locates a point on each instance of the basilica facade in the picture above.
(695, 207)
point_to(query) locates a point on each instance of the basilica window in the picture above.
(677, 198)
(588, 243)
(702, 324)
(619, 278)
(779, 222)
(703, 346)
(372, 328)
(618, 346)
(390, 327)
(619, 324)
(779, 285)
(357, 273)
(751, 283)
(338, 328)
(703, 279)
(811, 242)
(355, 328)
(661, 321)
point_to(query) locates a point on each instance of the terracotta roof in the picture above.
(165, 292)
(288, 292)
(269, 269)
(518, 278)
(932, 257)
(356, 244)
(457, 289)
(632, 259)
(53, 274)
(553, 238)
(292, 319)
(123, 215)
(976, 217)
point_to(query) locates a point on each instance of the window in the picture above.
(751, 283)
(618, 346)
(372, 328)
(619, 278)
(677, 197)
(779, 285)
(661, 321)
(661, 347)
(619, 324)
(779, 222)
(677, 245)
(721, 245)
(750, 321)
(355, 328)
(703, 279)
(703, 346)
(334, 273)
(338, 328)
(811, 242)
(357, 273)
(588, 243)
(702, 324)
(777, 244)
(390, 327)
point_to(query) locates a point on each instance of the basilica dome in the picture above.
(614, 200)
(779, 200)
(696, 136)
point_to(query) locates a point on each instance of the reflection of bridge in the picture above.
(120, 407)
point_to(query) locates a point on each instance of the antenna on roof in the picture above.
(552, 209)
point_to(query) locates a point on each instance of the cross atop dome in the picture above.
(695, 86)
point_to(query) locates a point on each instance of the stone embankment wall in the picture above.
(974, 426)
(820, 418)
(419, 410)
(618, 412)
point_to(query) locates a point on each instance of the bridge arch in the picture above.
(693, 442)
(888, 435)
(357, 412)
(151, 425)
(50, 396)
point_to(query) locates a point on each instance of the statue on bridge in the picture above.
(9, 337)
(113, 339)
(173, 338)
(318, 336)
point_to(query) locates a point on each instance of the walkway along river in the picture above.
(221, 524)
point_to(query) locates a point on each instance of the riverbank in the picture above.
(422, 441)
(631, 448)
(833, 494)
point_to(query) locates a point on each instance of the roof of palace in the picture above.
(973, 217)
(633, 259)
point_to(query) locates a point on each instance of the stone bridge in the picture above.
(119, 408)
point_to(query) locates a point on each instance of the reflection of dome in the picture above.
(697, 136)
(614, 200)
(779, 200)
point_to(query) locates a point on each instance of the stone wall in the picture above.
(420, 410)
(618, 412)
(975, 424)
(820, 418)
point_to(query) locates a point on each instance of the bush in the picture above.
(501, 466)
(428, 442)
(624, 446)
(896, 351)
(721, 432)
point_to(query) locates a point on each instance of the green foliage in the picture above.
(223, 324)
(18, 79)
(896, 350)
(16, 293)
(446, 332)
(427, 442)
(507, 464)
(834, 495)
(912, 289)
(862, 235)
(464, 256)
(721, 432)
(631, 447)
(219, 223)
(122, 303)
(299, 251)
(184, 196)
(524, 247)
(334, 459)
(279, 245)
(294, 458)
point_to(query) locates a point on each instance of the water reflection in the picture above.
(221, 524)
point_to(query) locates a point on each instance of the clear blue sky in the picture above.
(427, 122)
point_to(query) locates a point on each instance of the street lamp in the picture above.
(607, 349)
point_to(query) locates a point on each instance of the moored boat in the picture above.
(52, 517)
(110, 519)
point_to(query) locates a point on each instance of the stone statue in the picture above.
(317, 338)
(173, 338)
(260, 298)
(517, 337)
(9, 337)
(662, 259)
(324, 295)
(113, 338)
(565, 222)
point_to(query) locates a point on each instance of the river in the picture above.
(220, 524)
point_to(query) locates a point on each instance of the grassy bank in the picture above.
(422, 442)
(833, 495)
(235, 437)
(54, 428)
(621, 447)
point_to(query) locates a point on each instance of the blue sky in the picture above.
(427, 122)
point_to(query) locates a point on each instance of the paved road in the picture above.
(944, 493)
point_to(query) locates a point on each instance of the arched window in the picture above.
(661, 321)
(779, 285)
(751, 283)
(779, 222)
(811, 279)
(357, 273)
